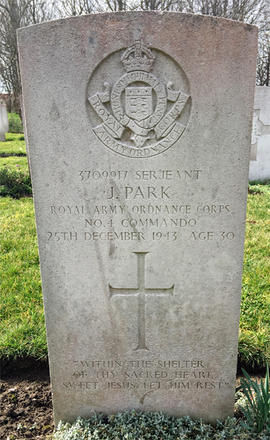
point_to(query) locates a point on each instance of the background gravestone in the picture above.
(138, 127)
(259, 168)
(3, 120)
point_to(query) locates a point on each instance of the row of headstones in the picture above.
(260, 142)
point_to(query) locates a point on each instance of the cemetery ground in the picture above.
(24, 389)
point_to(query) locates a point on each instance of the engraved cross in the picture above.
(141, 292)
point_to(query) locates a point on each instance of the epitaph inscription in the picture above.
(140, 114)
(141, 292)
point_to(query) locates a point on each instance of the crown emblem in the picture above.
(138, 57)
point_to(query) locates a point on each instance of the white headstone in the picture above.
(259, 168)
(3, 120)
(138, 127)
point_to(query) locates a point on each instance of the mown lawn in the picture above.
(255, 310)
(22, 329)
(18, 163)
(14, 145)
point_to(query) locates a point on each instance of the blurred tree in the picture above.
(158, 5)
(80, 7)
(15, 14)
(249, 11)
(117, 5)
(263, 65)
(76, 7)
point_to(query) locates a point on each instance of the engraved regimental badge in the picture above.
(144, 111)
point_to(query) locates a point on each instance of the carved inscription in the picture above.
(140, 115)
(143, 205)
(141, 292)
(143, 376)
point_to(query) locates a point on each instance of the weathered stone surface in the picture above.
(3, 120)
(259, 168)
(138, 127)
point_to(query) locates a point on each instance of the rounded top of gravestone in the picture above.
(134, 15)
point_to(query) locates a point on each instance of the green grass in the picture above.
(255, 311)
(22, 331)
(18, 163)
(14, 173)
(13, 146)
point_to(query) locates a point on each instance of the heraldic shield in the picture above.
(139, 114)
(138, 102)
